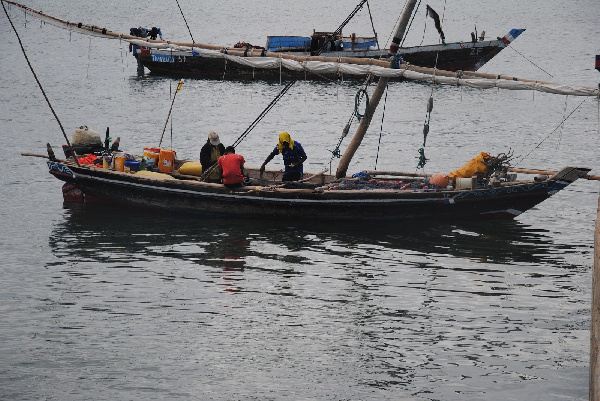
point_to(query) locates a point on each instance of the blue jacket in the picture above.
(292, 156)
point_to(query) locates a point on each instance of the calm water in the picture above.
(101, 303)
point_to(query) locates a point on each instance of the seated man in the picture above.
(232, 168)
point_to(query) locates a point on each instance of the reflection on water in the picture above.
(104, 233)
(473, 311)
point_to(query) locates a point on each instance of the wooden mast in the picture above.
(379, 90)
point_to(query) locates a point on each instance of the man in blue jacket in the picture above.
(293, 157)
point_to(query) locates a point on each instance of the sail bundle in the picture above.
(349, 69)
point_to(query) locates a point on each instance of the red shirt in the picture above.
(231, 165)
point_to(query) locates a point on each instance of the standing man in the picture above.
(232, 167)
(293, 157)
(210, 153)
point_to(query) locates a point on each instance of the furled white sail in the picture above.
(340, 68)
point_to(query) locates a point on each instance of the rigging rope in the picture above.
(562, 125)
(381, 127)
(254, 123)
(373, 25)
(424, 30)
(186, 24)
(336, 151)
(357, 98)
(553, 131)
(38, 82)
(263, 114)
(422, 158)
(510, 46)
(396, 24)
(410, 24)
(339, 29)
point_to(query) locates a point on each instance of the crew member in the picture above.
(293, 157)
(209, 154)
(232, 168)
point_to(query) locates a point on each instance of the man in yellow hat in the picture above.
(293, 157)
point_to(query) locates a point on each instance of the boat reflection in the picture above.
(103, 233)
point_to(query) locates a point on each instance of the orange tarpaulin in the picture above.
(88, 159)
(475, 166)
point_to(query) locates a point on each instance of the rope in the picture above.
(554, 130)
(169, 115)
(361, 92)
(562, 126)
(254, 123)
(87, 74)
(410, 24)
(263, 114)
(381, 127)
(395, 25)
(38, 82)
(424, 29)
(186, 24)
(339, 29)
(510, 46)
(422, 158)
(373, 25)
(336, 151)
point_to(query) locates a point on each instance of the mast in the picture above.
(376, 97)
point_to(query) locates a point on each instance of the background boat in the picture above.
(310, 55)
(185, 60)
(104, 304)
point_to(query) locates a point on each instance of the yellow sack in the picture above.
(191, 168)
(152, 174)
(475, 166)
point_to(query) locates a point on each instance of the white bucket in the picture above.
(466, 183)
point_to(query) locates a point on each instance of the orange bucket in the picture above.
(166, 161)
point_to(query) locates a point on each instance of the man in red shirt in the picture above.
(232, 167)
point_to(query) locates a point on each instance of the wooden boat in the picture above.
(495, 194)
(317, 199)
(186, 59)
(278, 60)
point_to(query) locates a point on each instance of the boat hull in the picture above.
(190, 196)
(468, 56)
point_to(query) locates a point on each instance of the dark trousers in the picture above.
(292, 176)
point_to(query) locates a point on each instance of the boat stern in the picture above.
(566, 176)
(512, 35)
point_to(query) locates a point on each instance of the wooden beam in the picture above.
(377, 94)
